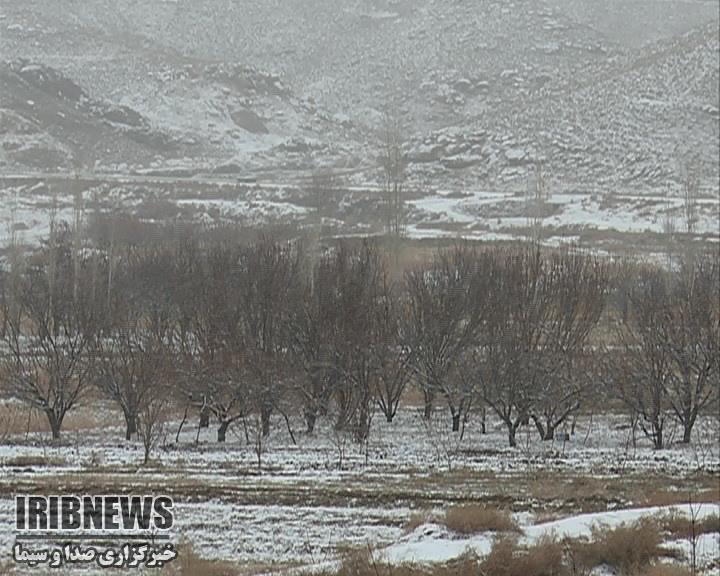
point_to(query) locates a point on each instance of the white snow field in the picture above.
(302, 507)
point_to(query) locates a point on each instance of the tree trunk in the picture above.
(511, 437)
(205, 417)
(512, 429)
(55, 422)
(547, 430)
(429, 397)
(687, 433)
(362, 426)
(389, 417)
(310, 419)
(265, 412)
(540, 427)
(456, 422)
(658, 440)
(222, 430)
(130, 425)
(688, 423)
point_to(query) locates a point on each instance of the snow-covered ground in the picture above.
(620, 221)
(435, 543)
(303, 506)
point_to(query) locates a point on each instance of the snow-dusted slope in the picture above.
(614, 99)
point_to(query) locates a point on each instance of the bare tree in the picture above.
(209, 335)
(579, 284)
(268, 274)
(690, 331)
(393, 161)
(391, 351)
(152, 418)
(690, 188)
(359, 277)
(49, 323)
(314, 321)
(442, 326)
(512, 338)
(133, 346)
(640, 370)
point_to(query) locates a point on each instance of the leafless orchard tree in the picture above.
(152, 417)
(668, 357)
(689, 327)
(442, 324)
(268, 275)
(640, 370)
(391, 352)
(209, 335)
(49, 323)
(134, 343)
(313, 324)
(579, 285)
(359, 277)
(512, 335)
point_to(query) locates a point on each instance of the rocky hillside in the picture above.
(613, 96)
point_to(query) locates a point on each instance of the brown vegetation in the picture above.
(473, 518)
(188, 563)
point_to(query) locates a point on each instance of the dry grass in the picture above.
(706, 495)
(588, 494)
(666, 570)
(508, 559)
(188, 563)
(629, 548)
(583, 490)
(680, 526)
(417, 519)
(473, 518)
(16, 419)
(29, 461)
(543, 517)
(365, 563)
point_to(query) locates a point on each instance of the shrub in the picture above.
(473, 518)
(629, 548)
(508, 559)
(416, 519)
(681, 526)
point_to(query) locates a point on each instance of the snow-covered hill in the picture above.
(618, 97)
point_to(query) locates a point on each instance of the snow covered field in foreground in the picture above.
(303, 506)
(434, 543)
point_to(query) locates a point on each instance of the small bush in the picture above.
(473, 518)
(508, 559)
(416, 519)
(629, 548)
(681, 527)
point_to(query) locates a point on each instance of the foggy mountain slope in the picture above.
(631, 127)
(484, 89)
(49, 122)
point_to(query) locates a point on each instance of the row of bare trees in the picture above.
(667, 362)
(270, 329)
